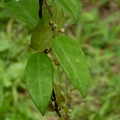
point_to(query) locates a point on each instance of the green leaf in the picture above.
(42, 34)
(39, 78)
(25, 10)
(4, 45)
(72, 6)
(15, 70)
(1, 70)
(73, 61)
(58, 18)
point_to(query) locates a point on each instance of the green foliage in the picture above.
(13, 98)
(98, 34)
(26, 11)
(75, 67)
(58, 16)
(4, 45)
(39, 75)
(72, 6)
(41, 34)
(58, 19)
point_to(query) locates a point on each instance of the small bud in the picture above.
(54, 25)
(64, 105)
(62, 30)
(51, 22)
(69, 110)
(59, 108)
(68, 114)
(30, 45)
(57, 63)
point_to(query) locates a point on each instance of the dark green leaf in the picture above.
(73, 61)
(42, 34)
(39, 78)
(25, 10)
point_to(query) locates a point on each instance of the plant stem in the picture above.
(55, 103)
(48, 7)
(40, 8)
(68, 101)
(59, 77)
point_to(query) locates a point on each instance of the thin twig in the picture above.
(48, 7)
(68, 101)
(55, 105)
(59, 77)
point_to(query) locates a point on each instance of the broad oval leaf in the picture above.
(72, 6)
(73, 61)
(42, 33)
(25, 10)
(39, 79)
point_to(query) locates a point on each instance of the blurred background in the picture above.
(98, 33)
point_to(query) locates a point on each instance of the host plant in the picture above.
(51, 47)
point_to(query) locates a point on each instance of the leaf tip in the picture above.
(84, 94)
(42, 112)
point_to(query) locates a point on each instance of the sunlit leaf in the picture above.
(39, 78)
(73, 61)
(72, 6)
(25, 10)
